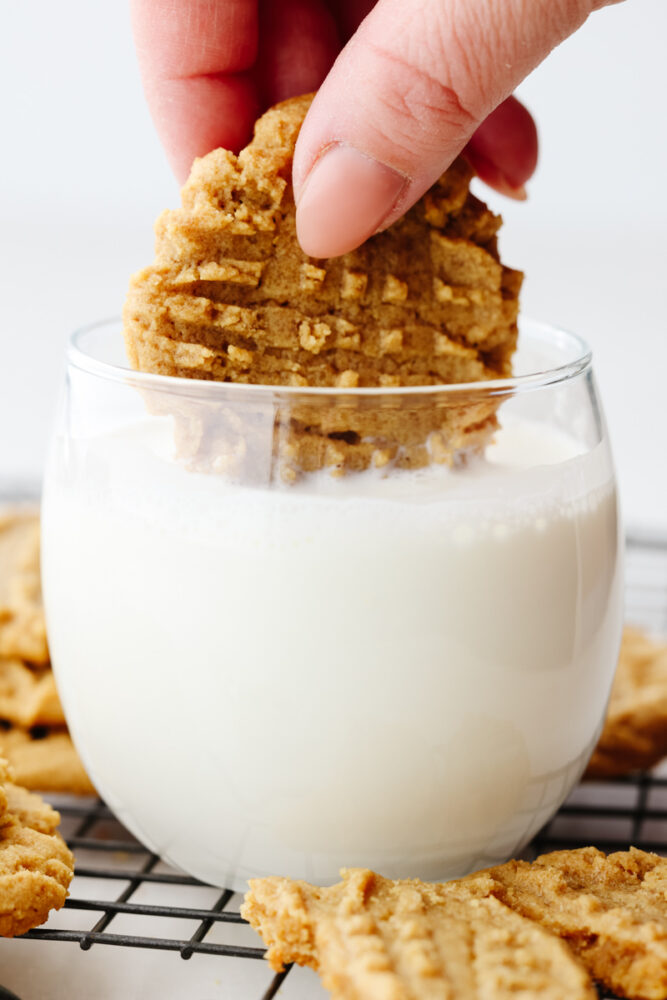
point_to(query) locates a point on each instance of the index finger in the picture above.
(196, 59)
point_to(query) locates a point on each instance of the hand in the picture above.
(416, 83)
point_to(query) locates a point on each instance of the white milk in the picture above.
(405, 673)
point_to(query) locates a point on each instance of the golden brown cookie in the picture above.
(28, 696)
(36, 866)
(369, 937)
(45, 760)
(611, 910)
(635, 730)
(22, 626)
(32, 723)
(232, 297)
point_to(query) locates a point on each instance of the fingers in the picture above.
(403, 99)
(209, 67)
(503, 150)
(195, 58)
(194, 116)
(299, 41)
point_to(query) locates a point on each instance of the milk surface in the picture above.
(407, 673)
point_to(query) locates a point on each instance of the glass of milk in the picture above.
(400, 669)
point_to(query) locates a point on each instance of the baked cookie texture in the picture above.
(518, 929)
(33, 730)
(375, 939)
(232, 297)
(36, 867)
(634, 735)
(611, 910)
(28, 697)
(22, 627)
(45, 759)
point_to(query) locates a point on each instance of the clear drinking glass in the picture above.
(267, 670)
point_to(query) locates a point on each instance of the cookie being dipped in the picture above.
(232, 297)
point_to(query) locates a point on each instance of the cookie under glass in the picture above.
(272, 671)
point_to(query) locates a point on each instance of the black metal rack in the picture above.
(610, 814)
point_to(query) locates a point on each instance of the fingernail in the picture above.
(492, 175)
(503, 186)
(345, 199)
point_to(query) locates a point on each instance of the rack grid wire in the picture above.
(112, 867)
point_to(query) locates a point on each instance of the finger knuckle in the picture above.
(417, 96)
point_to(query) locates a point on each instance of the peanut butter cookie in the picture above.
(36, 866)
(635, 730)
(369, 937)
(22, 626)
(28, 697)
(611, 910)
(45, 759)
(33, 733)
(492, 934)
(232, 297)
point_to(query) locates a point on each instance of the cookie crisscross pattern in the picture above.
(232, 297)
(370, 937)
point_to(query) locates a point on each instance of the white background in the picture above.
(82, 178)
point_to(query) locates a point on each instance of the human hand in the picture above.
(415, 84)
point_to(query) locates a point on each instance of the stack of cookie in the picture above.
(33, 733)
(232, 297)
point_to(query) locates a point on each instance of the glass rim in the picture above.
(580, 362)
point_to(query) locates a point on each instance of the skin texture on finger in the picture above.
(503, 150)
(194, 116)
(185, 38)
(197, 59)
(412, 86)
(299, 41)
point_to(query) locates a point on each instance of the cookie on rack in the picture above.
(232, 297)
(372, 938)
(33, 732)
(493, 934)
(44, 759)
(611, 910)
(36, 866)
(634, 735)
(22, 625)
(28, 696)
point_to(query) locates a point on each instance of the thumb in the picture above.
(402, 100)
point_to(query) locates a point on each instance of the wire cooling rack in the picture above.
(116, 875)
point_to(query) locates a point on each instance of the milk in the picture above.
(406, 672)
